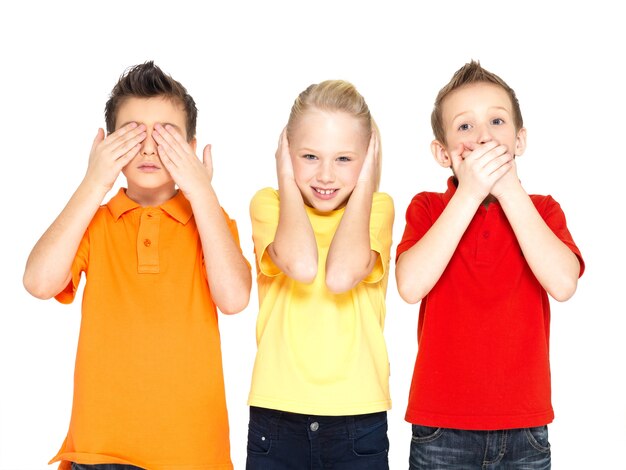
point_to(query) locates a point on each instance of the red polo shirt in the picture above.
(484, 328)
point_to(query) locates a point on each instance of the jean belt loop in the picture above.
(275, 424)
(351, 427)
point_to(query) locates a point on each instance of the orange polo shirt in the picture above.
(148, 382)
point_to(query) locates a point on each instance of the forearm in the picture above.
(48, 269)
(350, 257)
(227, 272)
(419, 268)
(294, 249)
(554, 265)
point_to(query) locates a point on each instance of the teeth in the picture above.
(326, 192)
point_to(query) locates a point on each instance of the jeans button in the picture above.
(314, 426)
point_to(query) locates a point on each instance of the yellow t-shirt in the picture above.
(318, 352)
(148, 382)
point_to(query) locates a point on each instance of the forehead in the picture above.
(318, 128)
(475, 98)
(150, 111)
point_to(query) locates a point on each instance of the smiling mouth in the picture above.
(325, 192)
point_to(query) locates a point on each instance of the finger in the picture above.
(97, 139)
(131, 144)
(173, 138)
(456, 156)
(165, 150)
(207, 157)
(126, 158)
(480, 150)
(120, 143)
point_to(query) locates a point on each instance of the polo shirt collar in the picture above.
(452, 184)
(177, 207)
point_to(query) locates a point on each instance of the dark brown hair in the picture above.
(466, 75)
(147, 81)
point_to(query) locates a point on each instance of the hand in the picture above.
(109, 155)
(507, 182)
(479, 166)
(190, 174)
(284, 165)
(368, 174)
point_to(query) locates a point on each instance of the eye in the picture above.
(309, 156)
(343, 158)
(497, 121)
(464, 127)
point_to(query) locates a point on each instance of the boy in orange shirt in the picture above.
(159, 258)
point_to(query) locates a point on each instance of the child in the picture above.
(148, 384)
(482, 257)
(320, 383)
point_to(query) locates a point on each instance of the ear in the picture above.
(520, 142)
(441, 154)
(193, 143)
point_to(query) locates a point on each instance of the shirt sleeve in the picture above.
(554, 217)
(264, 211)
(232, 226)
(79, 265)
(419, 219)
(381, 228)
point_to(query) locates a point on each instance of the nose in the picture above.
(149, 145)
(325, 172)
(484, 135)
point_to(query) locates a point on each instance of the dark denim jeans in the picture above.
(510, 449)
(103, 466)
(278, 440)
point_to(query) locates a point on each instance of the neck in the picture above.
(153, 197)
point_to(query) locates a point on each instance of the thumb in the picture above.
(456, 155)
(207, 157)
(99, 138)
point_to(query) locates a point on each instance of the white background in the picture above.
(244, 63)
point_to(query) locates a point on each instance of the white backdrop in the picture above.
(244, 63)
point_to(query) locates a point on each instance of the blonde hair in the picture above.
(336, 95)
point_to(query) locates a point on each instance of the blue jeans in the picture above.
(103, 466)
(510, 449)
(278, 440)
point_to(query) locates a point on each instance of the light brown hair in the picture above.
(471, 72)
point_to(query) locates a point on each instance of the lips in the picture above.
(324, 193)
(148, 167)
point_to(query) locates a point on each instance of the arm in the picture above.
(48, 269)
(228, 273)
(294, 250)
(419, 268)
(350, 256)
(554, 265)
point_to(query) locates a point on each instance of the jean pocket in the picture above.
(425, 433)
(259, 441)
(538, 438)
(371, 441)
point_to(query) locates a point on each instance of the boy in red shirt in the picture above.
(159, 257)
(482, 258)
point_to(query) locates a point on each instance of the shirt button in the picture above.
(147, 242)
(485, 234)
(314, 426)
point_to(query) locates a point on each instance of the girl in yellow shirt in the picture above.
(320, 386)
